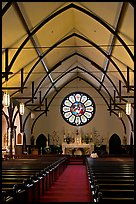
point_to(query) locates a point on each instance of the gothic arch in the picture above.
(114, 144)
(41, 141)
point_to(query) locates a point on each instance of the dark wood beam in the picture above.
(110, 107)
(34, 105)
(6, 7)
(39, 110)
(132, 3)
(6, 64)
(24, 97)
(40, 93)
(46, 107)
(22, 79)
(125, 96)
(121, 103)
(114, 98)
(32, 91)
(117, 29)
(131, 88)
(128, 88)
(119, 91)
(113, 109)
(4, 74)
(13, 87)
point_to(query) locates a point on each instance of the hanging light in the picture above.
(32, 115)
(120, 114)
(21, 108)
(6, 100)
(128, 108)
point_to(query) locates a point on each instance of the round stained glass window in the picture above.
(78, 108)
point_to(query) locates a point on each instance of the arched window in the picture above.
(78, 108)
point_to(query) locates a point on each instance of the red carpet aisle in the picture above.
(71, 186)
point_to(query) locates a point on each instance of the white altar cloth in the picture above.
(76, 145)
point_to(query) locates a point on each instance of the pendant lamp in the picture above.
(32, 115)
(6, 100)
(128, 108)
(21, 108)
(120, 114)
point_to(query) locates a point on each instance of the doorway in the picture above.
(114, 144)
(41, 143)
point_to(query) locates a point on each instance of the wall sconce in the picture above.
(6, 100)
(32, 115)
(21, 108)
(128, 108)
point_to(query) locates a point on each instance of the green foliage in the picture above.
(54, 149)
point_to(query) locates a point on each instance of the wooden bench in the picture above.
(115, 180)
(30, 185)
(116, 186)
(31, 180)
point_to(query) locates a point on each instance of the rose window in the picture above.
(78, 108)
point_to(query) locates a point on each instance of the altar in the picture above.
(77, 148)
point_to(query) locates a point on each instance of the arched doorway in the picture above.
(114, 144)
(41, 143)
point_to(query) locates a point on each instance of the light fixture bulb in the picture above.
(128, 108)
(6, 100)
(120, 114)
(32, 115)
(21, 108)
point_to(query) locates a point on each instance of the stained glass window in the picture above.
(78, 108)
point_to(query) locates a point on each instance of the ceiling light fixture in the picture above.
(6, 100)
(32, 115)
(120, 114)
(128, 108)
(21, 108)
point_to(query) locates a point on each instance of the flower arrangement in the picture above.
(47, 149)
(87, 139)
(97, 139)
(67, 139)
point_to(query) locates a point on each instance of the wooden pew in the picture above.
(42, 181)
(115, 180)
(30, 187)
(6, 199)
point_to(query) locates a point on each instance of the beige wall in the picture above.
(105, 124)
(54, 125)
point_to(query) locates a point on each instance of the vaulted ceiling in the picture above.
(47, 44)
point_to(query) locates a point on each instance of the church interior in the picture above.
(67, 101)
